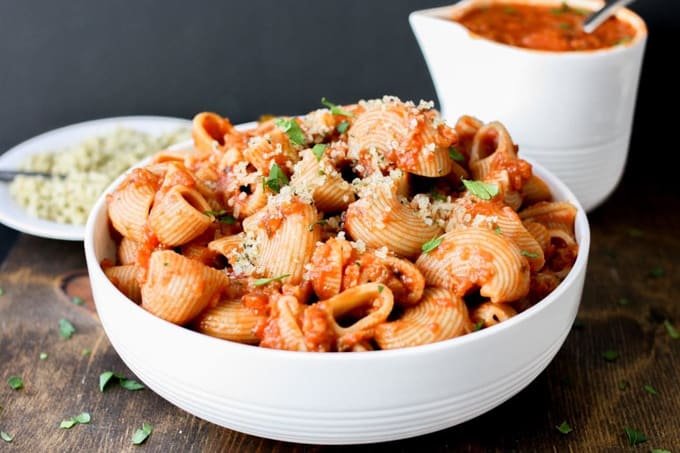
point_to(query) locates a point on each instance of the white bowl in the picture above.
(336, 398)
(570, 111)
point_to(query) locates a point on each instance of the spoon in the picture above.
(596, 19)
(9, 175)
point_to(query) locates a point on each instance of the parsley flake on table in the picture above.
(635, 232)
(431, 244)
(623, 385)
(277, 178)
(85, 352)
(266, 281)
(336, 110)
(610, 355)
(671, 330)
(2, 292)
(624, 301)
(15, 382)
(43, 356)
(634, 436)
(659, 450)
(318, 150)
(142, 434)
(649, 389)
(657, 272)
(66, 329)
(564, 427)
(481, 189)
(292, 129)
(107, 376)
(6, 437)
(81, 419)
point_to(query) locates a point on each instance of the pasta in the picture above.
(368, 226)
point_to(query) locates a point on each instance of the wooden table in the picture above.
(632, 291)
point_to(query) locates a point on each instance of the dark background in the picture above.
(67, 62)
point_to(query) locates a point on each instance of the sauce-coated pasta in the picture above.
(367, 226)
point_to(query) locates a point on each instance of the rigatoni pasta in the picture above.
(367, 226)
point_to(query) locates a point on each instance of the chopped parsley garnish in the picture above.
(498, 230)
(509, 10)
(292, 129)
(124, 382)
(478, 326)
(565, 8)
(634, 436)
(15, 382)
(318, 150)
(671, 330)
(431, 244)
(455, 155)
(6, 437)
(481, 189)
(336, 110)
(142, 434)
(342, 127)
(66, 329)
(221, 216)
(529, 254)
(380, 288)
(81, 419)
(436, 195)
(266, 281)
(565, 26)
(610, 355)
(624, 40)
(77, 300)
(657, 272)
(310, 227)
(277, 178)
(564, 428)
(649, 389)
(43, 356)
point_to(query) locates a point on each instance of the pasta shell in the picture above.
(477, 258)
(177, 288)
(440, 315)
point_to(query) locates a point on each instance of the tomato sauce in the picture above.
(553, 28)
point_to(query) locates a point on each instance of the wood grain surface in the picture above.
(631, 293)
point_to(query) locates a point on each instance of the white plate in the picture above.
(14, 216)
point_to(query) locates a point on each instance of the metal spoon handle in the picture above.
(9, 175)
(598, 17)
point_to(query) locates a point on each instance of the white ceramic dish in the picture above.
(336, 398)
(570, 111)
(11, 213)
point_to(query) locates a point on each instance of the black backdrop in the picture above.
(76, 60)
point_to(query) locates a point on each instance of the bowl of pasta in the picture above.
(360, 273)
